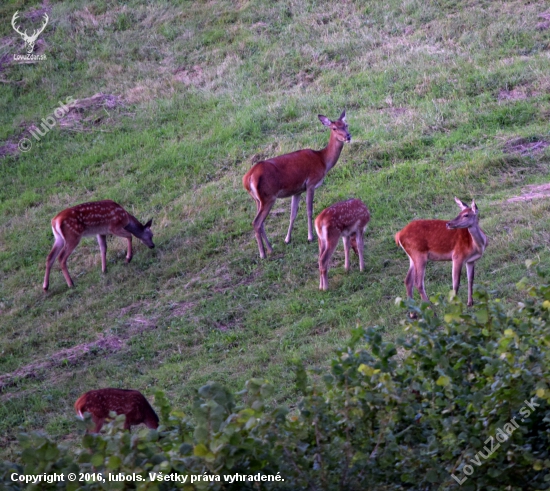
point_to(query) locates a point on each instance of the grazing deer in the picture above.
(347, 219)
(98, 218)
(460, 241)
(131, 403)
(290, 175)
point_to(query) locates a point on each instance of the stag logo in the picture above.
(29, 40)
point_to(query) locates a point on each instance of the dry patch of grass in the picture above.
(8, 148)
(70, 356)
(173, 79)
(534, 191)
(542, 26)
(189, 75)
(85, 113)
(81, 115)
(179, 309)
(525, 146)
(76, 354)
(516, 94)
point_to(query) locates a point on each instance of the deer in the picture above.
(132, 403)
(346, 219)
(291, 174)
(29, 40)
(98, 218)
(460, 240)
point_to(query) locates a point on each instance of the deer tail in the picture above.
(397, 241)
(79, 404)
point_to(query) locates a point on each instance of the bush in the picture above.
(460, 402)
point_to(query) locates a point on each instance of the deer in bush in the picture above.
(461, 241)
(290, 175)
(346, 219)
(132, 403)
(98, 218)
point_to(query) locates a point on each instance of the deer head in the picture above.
(468, 216)
(29, 40)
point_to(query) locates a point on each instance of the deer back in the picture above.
(433, 237)
(288, 174)
(131, 403)
(347, 217)
(93, 218)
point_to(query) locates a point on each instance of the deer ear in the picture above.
(148, 224)
(461, 204)
(324, 120)
(343, 116)
(474, 207)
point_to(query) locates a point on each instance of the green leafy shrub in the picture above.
(465, 395)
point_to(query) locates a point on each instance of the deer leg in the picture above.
(129, 254)
(409, 284)
(409, 279)
(330, 241)
(259, 230)
(354, 244)
(98, 423)
(321, 250)
(65, 253)
(125, 234)
(457, 269)
(309, 204)
(52, 256)
(294, 204)
(262, 228)
(266, 240)
(347, 244)
(420, 269)
(102, 241)
(470, 273)
(359, 246)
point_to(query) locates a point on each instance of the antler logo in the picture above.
(29, 40)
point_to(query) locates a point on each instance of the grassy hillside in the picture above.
(443, 99)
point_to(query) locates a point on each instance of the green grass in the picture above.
(427, 87)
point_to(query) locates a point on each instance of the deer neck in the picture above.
(134, 226)
(479, 238)
(331, 152)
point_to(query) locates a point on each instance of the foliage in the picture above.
(385, 417)
(443, 98)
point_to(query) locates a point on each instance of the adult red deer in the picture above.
(132, 403)
(347, 219)
(95, 218)
(290, 175)
(460, 241)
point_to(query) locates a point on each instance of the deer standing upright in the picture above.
(461, 241)
(290, 175)
(98, 218)
(347, 219)
(132, 403)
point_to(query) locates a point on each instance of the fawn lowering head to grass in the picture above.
(347, 219)
(290, 175)
(132, 403)
(98, 218)
(460, 241)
